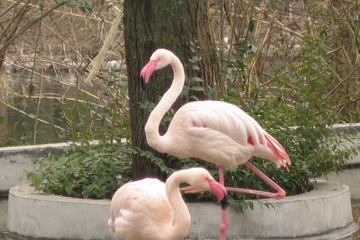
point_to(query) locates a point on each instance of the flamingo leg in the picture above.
(221, 175)
(224, 224)
(224, 218)
(280, 193)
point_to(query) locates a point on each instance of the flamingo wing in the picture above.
(221, 133)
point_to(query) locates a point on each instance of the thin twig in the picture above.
(31, 23)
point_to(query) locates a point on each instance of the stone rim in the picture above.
(46, 216)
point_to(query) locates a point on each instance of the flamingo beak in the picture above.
(147, 71)
(219, 191)
(224, 202)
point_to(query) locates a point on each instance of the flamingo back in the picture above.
(140, 210)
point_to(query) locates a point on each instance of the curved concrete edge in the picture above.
(38, 215)
(319, 214)
(324, 213)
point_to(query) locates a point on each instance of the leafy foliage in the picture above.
(83, 171)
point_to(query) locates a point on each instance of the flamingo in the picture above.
(152, 210)
(213, 131)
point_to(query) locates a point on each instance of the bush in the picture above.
(84, 171)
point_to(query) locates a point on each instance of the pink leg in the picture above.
(221, 175)
(224, 224)
(280, 193)
(224, 219)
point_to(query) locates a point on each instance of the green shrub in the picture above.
(83, 171)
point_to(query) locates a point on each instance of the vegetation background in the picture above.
(292, 65)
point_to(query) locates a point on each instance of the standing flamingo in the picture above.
(151, 210)
(214, 131)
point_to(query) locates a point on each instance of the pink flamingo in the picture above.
(214, 131)
(149, 209)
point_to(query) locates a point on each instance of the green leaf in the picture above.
(212, 93)
(197, 88)
(194, 98)
(36, 179)
(62, 160)
(195, 59)
(195, 67)
(68, 188)
(196, 79)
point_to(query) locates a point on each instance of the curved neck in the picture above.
(181, 217)
(152, 126)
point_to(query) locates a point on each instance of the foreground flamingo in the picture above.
(214, 131)
(151, 210)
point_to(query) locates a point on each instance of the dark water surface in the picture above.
(38, 118)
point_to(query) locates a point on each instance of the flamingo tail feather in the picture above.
(276, 147)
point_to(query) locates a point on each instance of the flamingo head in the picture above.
(159, 59)
(219, 191)
(201, 181)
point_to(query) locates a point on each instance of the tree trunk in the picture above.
(149, 25)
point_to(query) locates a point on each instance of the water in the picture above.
(5, 236)
(37, 119)
(35, 109)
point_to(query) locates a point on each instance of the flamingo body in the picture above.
(131, 204)
(153, 210)
(214, 131)
(217, 132)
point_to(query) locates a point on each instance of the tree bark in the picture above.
(170, 24)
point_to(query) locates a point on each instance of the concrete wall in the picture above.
(351, 175)
(324, 213)
(16, 161)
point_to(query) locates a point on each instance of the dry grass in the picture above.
(70, 41)
(278, 32)
(68, 48)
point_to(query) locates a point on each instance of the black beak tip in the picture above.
(143, 84)
(224, 202)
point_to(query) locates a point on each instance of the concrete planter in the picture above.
(15, 161)
(324, 213)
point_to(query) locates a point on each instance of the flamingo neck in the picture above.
(152, 126)
(180, 222)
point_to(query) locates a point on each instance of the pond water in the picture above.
(32, 106)
(37, 119)
(5, 236)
